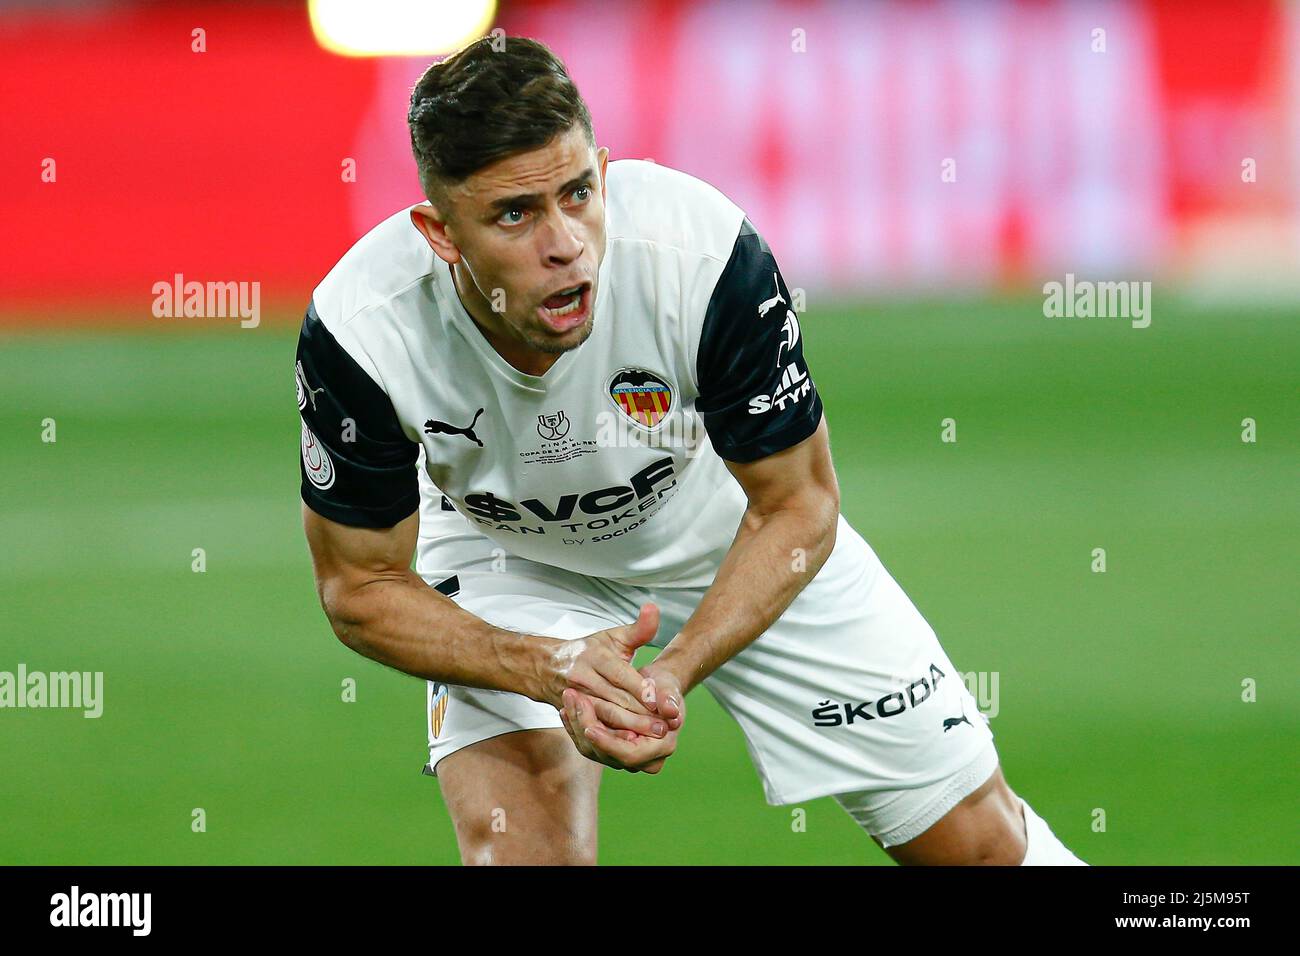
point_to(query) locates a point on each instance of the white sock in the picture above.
(1042, 846)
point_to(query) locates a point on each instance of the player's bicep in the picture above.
(756, 395)
(357, 464)
(347, 560)
(354, 555)
(801, 477)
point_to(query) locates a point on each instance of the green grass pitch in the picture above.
(1119, 692)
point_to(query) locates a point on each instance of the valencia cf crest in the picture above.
(640, 395)
(438, 697)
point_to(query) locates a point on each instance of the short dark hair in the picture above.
(496, 97)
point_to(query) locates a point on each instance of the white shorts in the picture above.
(849, 692)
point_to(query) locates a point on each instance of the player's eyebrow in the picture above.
(530, 200)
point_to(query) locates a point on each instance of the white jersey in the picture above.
(611, 463)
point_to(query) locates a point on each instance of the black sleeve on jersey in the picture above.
(369, 479)
(756, 394)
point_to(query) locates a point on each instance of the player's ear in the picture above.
(426, 219)
(602, 160)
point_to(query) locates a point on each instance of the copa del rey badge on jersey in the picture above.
(642, 396)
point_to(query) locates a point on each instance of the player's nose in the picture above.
(561, 242)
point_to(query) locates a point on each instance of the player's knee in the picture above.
(541, 844)
(986, 828)
(551, 822)
(1000, 847)
(998, 836)
(492, 850)
(1004, 848)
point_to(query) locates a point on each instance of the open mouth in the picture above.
(568, 308)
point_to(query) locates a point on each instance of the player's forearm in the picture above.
(772, 559)
(403, 623)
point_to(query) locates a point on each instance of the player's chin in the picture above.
(548, 340)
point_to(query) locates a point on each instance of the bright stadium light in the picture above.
(398, 27)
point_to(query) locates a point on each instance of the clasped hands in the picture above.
(615, 714)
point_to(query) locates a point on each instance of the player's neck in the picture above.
(515, 353)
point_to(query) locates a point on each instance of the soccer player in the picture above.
(574, 391)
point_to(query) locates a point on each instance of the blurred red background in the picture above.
(226, 164)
